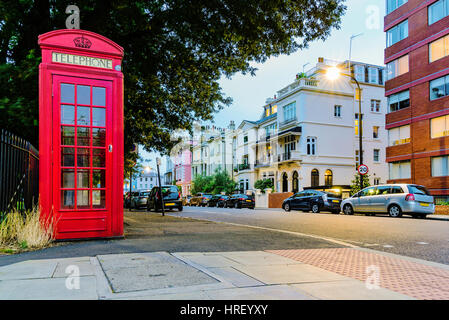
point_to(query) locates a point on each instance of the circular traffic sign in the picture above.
(363, 169)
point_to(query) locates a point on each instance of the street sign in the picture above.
(363, 169)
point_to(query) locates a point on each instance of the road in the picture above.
(426, 239)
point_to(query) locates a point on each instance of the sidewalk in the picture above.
(305, 274)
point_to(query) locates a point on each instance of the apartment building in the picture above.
(417, 89)
(213, 149)
(307, 136)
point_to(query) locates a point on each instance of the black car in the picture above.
(171, 196)
(128, 197)
(239, 201)
(313, 200)
(217, 200)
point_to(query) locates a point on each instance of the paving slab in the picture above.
(47, 289)
(138, 272)
(236, 277)
(31, 269)
(257, 258)
(64, 268)
(347, 290)
(285, 274)
(209, 261)
(277, 292)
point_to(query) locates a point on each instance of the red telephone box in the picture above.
(81, 134)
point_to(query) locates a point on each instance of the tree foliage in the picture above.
(217, 183)
(263, 184)
(175, 53)
(355, 183)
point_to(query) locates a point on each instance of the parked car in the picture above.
(221, 201)
(200, 199)
(139, 199)
(215, 199)
(186, 200)
(394, 199)
(239, 201)
(313, 200)
(171, 196)
(127, 199)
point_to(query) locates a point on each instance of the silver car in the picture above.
(394, 199)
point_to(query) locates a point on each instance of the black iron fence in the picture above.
(19, 173)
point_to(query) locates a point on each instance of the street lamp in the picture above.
(333, 73)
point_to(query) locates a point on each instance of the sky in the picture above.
(250, 92)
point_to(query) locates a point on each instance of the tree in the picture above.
(175, 53)
(217, 183)
(263, 184)
(355, 184)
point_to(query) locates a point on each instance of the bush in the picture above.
(26, 230)
(263, 184)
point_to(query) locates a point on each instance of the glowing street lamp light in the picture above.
(333, 73)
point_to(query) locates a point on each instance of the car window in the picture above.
(418, 190)
(298, 195)
(396, 189)
(383, 190)
(368, 192)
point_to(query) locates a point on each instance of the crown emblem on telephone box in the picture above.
(82, 42)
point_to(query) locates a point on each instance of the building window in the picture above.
(357, 160)
(328, 178)
(438, 11)
(289, 144)
(311, 146)
(397, 33)
(394, 4)
(315, 178)
(440, 166)
(400, 170)
(375, 105)
(245, 139)
(397, 67)
(439, 127)
(399, 101)
(439, 88)
(274, 109)
(337, 111)
(375, 132)
(359, 73)
(376, 181)
(439, 49)
(373, 75)
(376, 155)
(295, 182)
(290, 111)
(399, 135)
(356, 123)
(270, 129)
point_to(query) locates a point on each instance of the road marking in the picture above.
(343, 243)
(420, 242)
(387, 246)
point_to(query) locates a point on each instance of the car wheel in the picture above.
(236, 205)
(180, 209)
(315, 208)
(347, 209)
(394, 211)
(287, 207)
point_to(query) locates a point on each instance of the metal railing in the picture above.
(19, 173)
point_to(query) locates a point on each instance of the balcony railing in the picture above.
(288, 122)
(298, 83)
(289, 156)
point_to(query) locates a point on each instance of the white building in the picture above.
(213, 149)
(308, 134)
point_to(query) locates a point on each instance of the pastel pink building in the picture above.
(182, 170)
